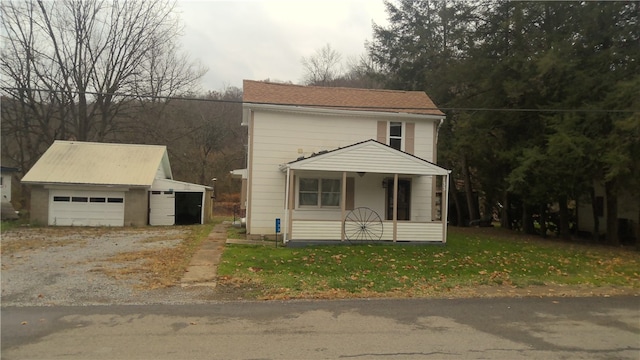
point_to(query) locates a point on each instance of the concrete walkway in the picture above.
(203, 269)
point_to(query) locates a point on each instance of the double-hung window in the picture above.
(395, 135)
(315, 192)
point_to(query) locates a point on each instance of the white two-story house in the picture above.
(342, 164)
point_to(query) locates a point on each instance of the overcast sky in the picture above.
(263, 39)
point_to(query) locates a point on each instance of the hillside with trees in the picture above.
(112, 71)
(541, 100)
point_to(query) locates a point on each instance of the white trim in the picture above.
(341, 112)
(85, 187)
(161, 184)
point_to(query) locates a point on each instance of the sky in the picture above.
(266, 39)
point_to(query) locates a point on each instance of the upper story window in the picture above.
(395, 135)
(319, 192)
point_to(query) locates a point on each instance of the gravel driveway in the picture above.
(66, 266)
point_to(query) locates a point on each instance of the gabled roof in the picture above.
(179, 185)
(75, 162)
(412, 102)
(369, 157)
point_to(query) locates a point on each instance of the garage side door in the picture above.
(86, 208)
(162, 208)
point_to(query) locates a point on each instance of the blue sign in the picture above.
(277, 225)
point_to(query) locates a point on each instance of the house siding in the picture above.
(39, 214)
(628, 209)
(5, 188)
(280, 137)
(421, 204)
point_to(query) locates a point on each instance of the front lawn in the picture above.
(472, 259)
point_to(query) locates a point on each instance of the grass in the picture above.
(236, 233)
(13, 224)
(471, 258)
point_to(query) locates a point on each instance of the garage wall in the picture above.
(208, 204)
(39, 205)
(136, 207)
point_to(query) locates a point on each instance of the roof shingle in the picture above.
(413, 102)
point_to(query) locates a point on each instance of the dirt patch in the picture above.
(68, 266)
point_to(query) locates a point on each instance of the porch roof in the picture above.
(367, 156)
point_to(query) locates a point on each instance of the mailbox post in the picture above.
(277, 230)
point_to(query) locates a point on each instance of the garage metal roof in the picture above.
(76, 162)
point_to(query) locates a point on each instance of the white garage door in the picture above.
(86, 208)
(162, 208)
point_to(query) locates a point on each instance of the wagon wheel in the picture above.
(362, 224)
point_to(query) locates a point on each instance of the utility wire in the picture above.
(454, 109)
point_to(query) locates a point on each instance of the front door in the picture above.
(404, 199)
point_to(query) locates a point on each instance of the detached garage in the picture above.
(97, 184)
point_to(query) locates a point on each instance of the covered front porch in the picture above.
(365, 192)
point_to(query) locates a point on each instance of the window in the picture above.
(97, 200)
(330, 192)
(79, 199)
(319, 192)
(395, 135)
(308, 192)
(61, 198)
(115, 200)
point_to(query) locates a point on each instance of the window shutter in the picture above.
(350, 198)
(382, 132)
(409, 140)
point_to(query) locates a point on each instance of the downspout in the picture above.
(286, 208)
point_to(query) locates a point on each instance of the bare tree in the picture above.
(66, 64)
(204, 135)
(325, 68)
(322, 67)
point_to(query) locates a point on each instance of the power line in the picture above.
(453, 109)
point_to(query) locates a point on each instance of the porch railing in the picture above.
(331, 230)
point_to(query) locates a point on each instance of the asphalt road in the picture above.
(506, 328)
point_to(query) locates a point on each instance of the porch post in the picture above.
(343, 204)
(291, 203)
(444, 203)
(286, 207)
(395, 207)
